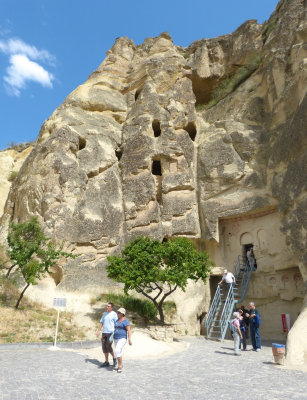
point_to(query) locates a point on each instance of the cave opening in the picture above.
(82, 143)
(156, 128)
(191, 129)
(118, 154)
(136, 94)
(156, 168)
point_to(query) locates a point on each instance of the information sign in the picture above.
(59, 302)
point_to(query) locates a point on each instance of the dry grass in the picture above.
(32, 322)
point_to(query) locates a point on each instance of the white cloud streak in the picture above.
(24, 65)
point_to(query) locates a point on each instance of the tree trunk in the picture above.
(9, 270)
(161, 314)
(21, 295)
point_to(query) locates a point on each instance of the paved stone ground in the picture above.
(208, 370)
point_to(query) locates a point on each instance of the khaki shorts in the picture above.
(106, 344)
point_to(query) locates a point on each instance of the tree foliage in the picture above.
(157, 269)
(32, 253)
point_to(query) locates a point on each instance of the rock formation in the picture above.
(11, 161)
(207, 142)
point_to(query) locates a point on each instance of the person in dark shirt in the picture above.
(243, 329)
(254, 317)
(245, 317)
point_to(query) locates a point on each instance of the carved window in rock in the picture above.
(118, 154)
(191, 129)
(136, 94)
(156, 168)
(82, 143)
(156, 128)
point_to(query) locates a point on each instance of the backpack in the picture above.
(232, 328)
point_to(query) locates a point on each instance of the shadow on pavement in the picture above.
(224, 352)
(268, 362)
(93, 361)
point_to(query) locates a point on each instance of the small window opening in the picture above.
(156, 168)
(136, 95)
(82, 143)
(118, 154)
(191, 129)
(156, 128)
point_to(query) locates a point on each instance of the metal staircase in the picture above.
(224, 301)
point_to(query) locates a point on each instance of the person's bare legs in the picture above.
(120, 362)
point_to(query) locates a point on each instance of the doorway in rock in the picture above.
(245, 247)
(213, 284)
(214, 280)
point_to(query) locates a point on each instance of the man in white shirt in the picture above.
(228, 277)
(107, 322)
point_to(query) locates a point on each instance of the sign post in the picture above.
(58, 303)
(285, 318)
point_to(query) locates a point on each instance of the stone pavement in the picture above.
(207, 370)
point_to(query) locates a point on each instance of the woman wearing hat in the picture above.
(122, 330)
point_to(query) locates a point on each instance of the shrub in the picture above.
(230, 83)
(268, 27)
(8, 291)
(12, 176)
(169, 307)
(143, 307)
(19, 146)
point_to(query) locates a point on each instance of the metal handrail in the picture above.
(241, 270)
(215, 302)
(244, 271)
(227, 310)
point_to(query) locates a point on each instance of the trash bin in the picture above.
(278, 351)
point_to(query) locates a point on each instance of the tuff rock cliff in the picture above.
(165, 141)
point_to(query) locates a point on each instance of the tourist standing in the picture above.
(243, 329)
(107, 324)
(122, 331)
(236, 333)
(245, 318)
(251, 258)
(254, 318)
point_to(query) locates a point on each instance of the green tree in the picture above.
(32, 253)
(157, 269)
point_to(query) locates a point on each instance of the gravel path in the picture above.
(207, 370)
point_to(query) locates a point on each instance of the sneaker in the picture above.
(119, 370)
(114, 362)
(105, 364)
(258, 349)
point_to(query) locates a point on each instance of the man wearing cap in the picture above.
(107, 324)
(228, 277)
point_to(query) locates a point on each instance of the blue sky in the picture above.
(49, 47)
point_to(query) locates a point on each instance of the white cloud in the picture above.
(22, 68)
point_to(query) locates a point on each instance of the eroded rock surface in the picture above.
(136, 151)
